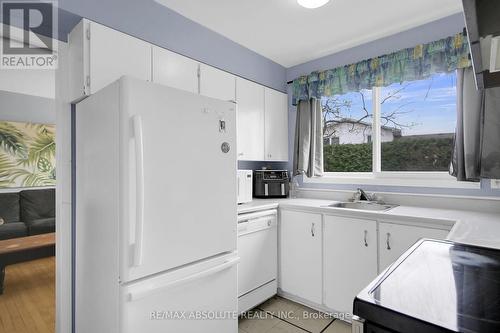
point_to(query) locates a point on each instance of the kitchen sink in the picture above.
(362, 205)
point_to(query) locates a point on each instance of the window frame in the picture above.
(435, 179)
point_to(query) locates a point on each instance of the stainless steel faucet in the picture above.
(362, 195)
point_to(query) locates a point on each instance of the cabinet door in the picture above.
(78, 62)
(300, 251)
(350, 259)
(172, 69)
(250, 99)
(395, 239)
(114, 54)
(216, 83)
(276, 125)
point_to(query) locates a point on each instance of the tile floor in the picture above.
(279, 315)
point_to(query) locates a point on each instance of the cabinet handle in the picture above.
(312, 230)
(366, 235)
(388, 242)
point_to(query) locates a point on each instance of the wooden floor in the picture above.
(28, 302)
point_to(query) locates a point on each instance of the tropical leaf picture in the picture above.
(27, 154)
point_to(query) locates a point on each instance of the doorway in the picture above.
(27, 199)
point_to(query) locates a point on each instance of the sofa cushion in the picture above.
(37, 204)
(9, 207)
(42, 226)
(13, 230)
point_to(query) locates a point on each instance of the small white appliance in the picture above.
(258, 250)
(154, 248)
(245, 186)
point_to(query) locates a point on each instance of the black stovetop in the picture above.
(436, 286)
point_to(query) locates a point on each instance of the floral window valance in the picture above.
(419, 62)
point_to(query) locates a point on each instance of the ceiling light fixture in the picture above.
(311, 4)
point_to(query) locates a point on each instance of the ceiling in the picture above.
(283, 31)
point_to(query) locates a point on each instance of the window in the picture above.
(348, 119)
(414, 122)
(418, 123)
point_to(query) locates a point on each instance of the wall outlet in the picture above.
(495, 183)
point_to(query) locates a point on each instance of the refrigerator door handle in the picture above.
(139, 178)
(153, 288)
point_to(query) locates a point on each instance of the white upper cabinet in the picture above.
(276, 125)
(217, 84)
(395, 239)
(300, 255)
(174, 70)
(350, 259)
(100, 56)
(251, 134)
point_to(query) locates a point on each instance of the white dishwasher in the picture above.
(258, 251)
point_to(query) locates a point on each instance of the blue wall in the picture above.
(168, 29)
(156, 24)
(445, 27)
(432, 31)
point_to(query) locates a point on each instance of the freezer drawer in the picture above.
(179, 300)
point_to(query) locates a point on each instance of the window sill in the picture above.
(411, 179)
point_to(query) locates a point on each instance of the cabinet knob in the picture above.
(313, 231)
(388, 241)
(365, 239)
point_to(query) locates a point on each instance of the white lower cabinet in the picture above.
(300, 251)
(395, 239)
(350, 259)
(327, 260)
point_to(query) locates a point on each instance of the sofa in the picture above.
(26, 213)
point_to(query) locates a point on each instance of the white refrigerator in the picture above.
(155, 211)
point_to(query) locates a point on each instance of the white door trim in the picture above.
(63, 197)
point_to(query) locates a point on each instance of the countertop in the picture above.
(467, 226)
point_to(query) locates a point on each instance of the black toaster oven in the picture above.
(271, 184)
